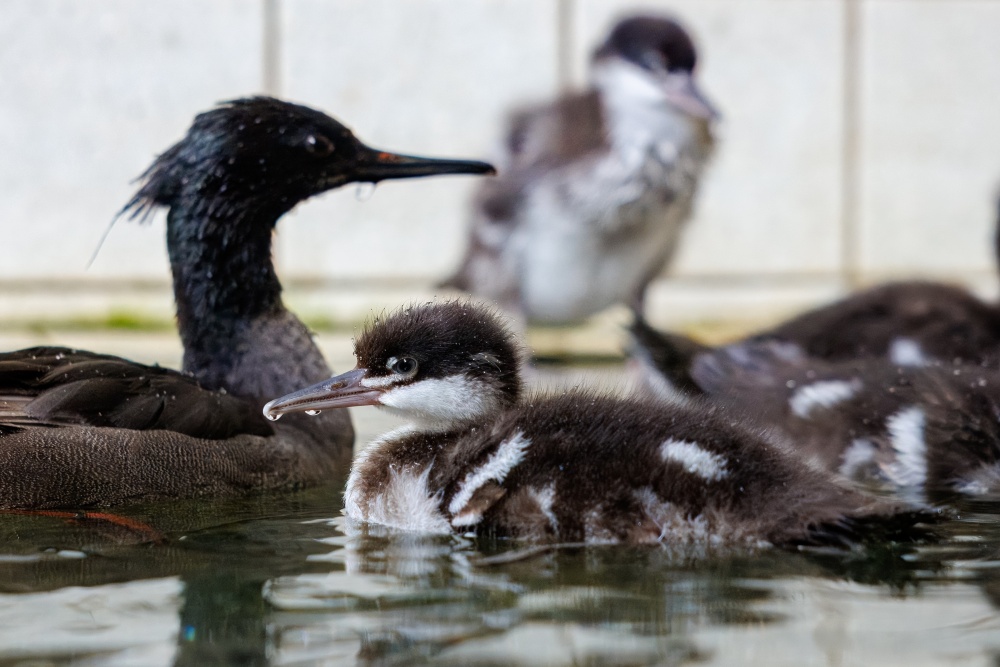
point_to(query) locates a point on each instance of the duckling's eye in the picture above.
(403, 365)
(319, 145)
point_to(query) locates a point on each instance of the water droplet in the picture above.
(364, 191)
(272, 417)
(313, 413)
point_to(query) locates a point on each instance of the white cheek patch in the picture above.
(822, 394)
(906, 434)
(406, 503)
(496, 468)
(907, 352)
(440, 402)
(626, 83)
(694, 459)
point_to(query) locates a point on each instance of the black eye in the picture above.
(403, 365)
(319, 145)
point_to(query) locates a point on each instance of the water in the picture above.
(282, 580)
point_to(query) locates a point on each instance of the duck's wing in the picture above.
(55, 386)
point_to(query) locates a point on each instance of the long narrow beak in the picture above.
(342, 391)
(374, 165)
(684, 94)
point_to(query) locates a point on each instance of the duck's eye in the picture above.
(319, 145)
(403, 365)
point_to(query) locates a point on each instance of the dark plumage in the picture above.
(938, 322)
(578, 467)
(931, 428)
(596, 186)
(83, 429)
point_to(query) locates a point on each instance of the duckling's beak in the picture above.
(374, 165)
(342, 391)
(683, 93)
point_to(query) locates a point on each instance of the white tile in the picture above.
(930, 142)
(92, 92)
(770, 202)
(425, 77)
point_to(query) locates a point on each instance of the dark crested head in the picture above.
(264, 153)
(438, 364)
(442, 340)
(652, 42)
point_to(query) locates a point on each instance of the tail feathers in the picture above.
(668, 354)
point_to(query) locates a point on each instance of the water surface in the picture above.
(280, 580)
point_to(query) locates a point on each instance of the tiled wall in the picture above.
(861, 138)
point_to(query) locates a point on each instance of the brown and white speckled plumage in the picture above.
(576, 467)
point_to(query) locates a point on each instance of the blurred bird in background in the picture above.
(595, 187)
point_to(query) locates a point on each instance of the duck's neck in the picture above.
(237, 333)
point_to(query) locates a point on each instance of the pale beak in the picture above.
(683, 93)
(341, 391)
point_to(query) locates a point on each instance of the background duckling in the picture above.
(932, 429)
(594, 188)
(479, 456)
(82, 429)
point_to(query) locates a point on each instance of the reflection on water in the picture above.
(284, 581)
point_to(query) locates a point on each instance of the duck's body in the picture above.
(932, 428)
(572, 468)
(595, 188)
(81, 429)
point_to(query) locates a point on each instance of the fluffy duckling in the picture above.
(932, 429)
(595, 187)
(478, 455)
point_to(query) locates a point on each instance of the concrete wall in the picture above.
(861, 138)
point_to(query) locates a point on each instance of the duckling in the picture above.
(478, 455)
(596, 187)
(79, 429)
(931, 429)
